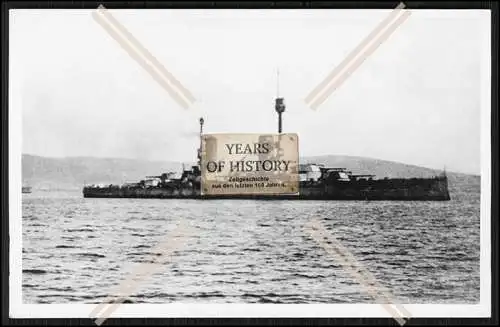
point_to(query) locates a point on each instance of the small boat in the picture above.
(26, 189)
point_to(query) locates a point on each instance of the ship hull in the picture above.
(277, 197)
(432, 189)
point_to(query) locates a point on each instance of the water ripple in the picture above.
(248, 251)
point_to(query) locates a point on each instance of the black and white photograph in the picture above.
(249, 162)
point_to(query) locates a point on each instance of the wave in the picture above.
(72, 230)
(92, 255)
(35, 271)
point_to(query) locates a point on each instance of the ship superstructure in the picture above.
(317, 182)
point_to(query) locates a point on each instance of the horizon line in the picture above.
(300, 157)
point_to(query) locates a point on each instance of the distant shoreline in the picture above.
(306, 159)
(70, 174)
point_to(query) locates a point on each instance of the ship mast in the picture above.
(202, 121)
(279, 103)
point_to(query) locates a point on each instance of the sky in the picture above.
(416, 99)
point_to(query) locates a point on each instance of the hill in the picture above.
(71, 173)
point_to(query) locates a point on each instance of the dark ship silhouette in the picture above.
(317, 182)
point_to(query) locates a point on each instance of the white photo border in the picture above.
(186, 310)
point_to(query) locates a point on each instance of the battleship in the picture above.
(316, 182)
